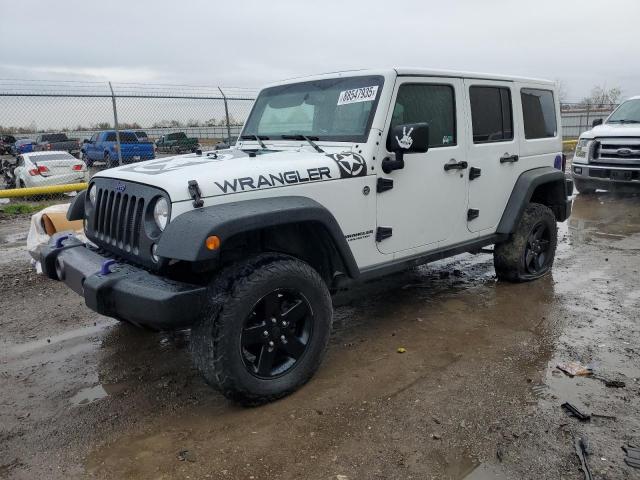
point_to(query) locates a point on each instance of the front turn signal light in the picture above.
(212, 242)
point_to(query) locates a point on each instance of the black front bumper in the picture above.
(120, 290)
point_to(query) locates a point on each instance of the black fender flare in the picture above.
(523, 191)
(76, 209)
(184, 238)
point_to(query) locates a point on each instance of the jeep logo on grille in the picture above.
(624, 152)
(120, 187)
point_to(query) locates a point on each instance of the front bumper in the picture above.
(606, 176)
(120, 290)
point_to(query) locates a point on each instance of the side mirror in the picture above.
(597, 122)
(85, 141)
(407, 138)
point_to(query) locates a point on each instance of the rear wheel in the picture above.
(583, 188)
(530, 251)
(265, 330)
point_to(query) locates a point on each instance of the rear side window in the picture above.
(539, 112)
(491, 114)
(434, 104)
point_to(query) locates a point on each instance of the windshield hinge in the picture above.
(196, 194)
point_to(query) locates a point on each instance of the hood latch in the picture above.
(196, 194)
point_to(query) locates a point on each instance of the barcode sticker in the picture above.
(355, 95)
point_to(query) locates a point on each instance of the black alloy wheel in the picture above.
(536, 255)
(276, 333)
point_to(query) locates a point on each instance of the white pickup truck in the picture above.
(608, 156)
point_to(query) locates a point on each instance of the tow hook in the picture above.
(105, 269)
(61, 239)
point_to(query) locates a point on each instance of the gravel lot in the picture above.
(477, 394)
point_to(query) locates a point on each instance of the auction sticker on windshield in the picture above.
(355, 95)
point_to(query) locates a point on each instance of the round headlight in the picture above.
(93, 191)
(161, 213)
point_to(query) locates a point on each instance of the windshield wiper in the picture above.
(624, 121)
(257, 138)
(304, 137)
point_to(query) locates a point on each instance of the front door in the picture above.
(493, 152)
(426, 203)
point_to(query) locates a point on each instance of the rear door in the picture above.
(493, 151)
(90, 148)
(540, 138)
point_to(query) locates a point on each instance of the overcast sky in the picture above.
(250, 43)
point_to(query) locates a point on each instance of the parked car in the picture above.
(607, 157)
(103, 147)
(142, 136)
(177, 143)
(395, 168)
(38, 169)
(6, 142)
(24, 145)
(58, 142)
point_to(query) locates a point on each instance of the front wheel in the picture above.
(529, 252)
(265, 330)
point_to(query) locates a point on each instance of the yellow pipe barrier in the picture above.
(569, 144)
(28, 192)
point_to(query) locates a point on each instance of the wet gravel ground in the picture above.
(477, 394)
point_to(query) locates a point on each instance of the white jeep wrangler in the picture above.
(608, 156)
(336, 178)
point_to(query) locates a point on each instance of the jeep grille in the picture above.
(121, 221)
(117, 219)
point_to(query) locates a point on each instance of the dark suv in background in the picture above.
(6, 142)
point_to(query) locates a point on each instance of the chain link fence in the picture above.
(73, 129)
(94, 125)
(579, 117)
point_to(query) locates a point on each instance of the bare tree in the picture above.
(602, 96)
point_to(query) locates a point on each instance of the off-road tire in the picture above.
(509, 256)
(582, 188)
(232, 295)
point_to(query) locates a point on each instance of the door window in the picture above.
(433, 104)
(491, 115)
(539, 112)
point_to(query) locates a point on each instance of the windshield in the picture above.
(337, 109)
(52, 156)
(628, 112)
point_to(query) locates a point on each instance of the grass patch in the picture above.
(20, 208)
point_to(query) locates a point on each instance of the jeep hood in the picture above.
(613, 130)
(232, 171)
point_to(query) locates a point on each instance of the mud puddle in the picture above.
(476, 395)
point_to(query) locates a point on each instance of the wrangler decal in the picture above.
(290, 177)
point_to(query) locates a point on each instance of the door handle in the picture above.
(506, 158)
(455, 166)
